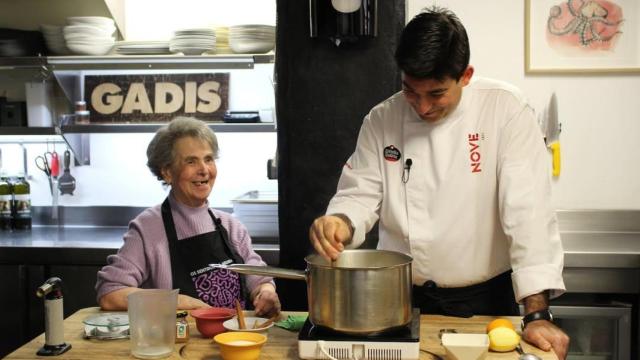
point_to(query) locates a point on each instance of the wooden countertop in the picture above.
(281, 344)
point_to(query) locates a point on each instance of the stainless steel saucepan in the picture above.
(363, 292)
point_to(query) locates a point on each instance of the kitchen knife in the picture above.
(553, 133)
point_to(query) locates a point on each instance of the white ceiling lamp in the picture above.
(346, 6)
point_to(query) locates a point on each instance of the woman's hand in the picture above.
(186, 302)
(266, 301)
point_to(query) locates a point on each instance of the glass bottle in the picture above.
(21, 204)
(182, 327)
(5, 204)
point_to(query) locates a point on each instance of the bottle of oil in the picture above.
(5, 204)
(21, 204)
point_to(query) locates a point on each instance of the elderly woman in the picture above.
(171, 245)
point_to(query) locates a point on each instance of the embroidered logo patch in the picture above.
(391, 153)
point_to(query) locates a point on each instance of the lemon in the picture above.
(503, 339)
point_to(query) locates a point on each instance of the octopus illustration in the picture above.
(591, 21)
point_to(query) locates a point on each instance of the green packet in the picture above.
(292, 322)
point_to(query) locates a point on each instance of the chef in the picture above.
(455, 170)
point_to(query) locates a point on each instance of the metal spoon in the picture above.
(526, 356)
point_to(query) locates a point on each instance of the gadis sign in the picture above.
(156, 97)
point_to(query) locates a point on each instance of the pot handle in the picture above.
(264, 270)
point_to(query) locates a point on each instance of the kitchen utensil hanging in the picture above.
(67, 182)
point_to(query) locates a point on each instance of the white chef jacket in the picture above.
(477, 199)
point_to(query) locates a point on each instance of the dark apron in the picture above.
(492, 297)
(190, 259)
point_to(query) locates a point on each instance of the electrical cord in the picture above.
(435, 356)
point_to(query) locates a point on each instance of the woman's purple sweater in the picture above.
(143, 260)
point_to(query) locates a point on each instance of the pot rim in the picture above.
(320, 262)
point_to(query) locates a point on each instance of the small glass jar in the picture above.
(80, 106)
(182, 327)
(82, 117)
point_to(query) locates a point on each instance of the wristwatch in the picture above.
(536, 315)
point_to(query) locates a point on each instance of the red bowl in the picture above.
(209, 321)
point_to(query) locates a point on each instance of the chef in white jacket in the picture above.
(455, 170)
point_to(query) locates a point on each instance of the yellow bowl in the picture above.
(239, 345)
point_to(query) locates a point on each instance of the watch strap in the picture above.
(537, 315)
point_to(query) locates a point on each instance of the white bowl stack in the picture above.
(89, 35)
(252, 39)
(54, 38)
(193, 41)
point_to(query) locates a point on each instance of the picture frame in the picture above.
(599, 36)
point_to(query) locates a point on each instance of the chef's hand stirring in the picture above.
(329, 233)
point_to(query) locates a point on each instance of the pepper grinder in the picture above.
(54, 343)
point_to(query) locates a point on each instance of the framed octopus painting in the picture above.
(582, 36)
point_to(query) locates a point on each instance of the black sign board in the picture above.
(156, 97)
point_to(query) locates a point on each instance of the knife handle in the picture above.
(555, 152)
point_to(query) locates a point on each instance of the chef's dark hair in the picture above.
(160, 152)
(433, 45)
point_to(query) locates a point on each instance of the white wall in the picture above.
(599, 113)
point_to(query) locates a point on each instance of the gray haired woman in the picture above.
(172, 244)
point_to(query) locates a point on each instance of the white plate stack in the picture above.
(54, 38)
(258, 211)
(89, 35)
(142, 47)
(252, 39)
(193, 41)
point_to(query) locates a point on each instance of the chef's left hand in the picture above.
(266, 301)
(545, 335)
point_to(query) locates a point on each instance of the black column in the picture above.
(323, 93)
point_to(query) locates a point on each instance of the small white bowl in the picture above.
(232, 324)
(465, 346)
(90, 20)
(85, 49)
(86, 30)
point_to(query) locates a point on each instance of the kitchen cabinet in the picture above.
(23, 312)
(13, 330)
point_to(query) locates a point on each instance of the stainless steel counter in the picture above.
(602, 248)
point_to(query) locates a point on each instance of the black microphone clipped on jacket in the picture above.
(407, 170)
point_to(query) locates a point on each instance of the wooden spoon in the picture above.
(268, 322)
(241, 323)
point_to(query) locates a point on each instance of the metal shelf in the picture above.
(15, 130)
(68, 71)
(132, 62)
(32, 62)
